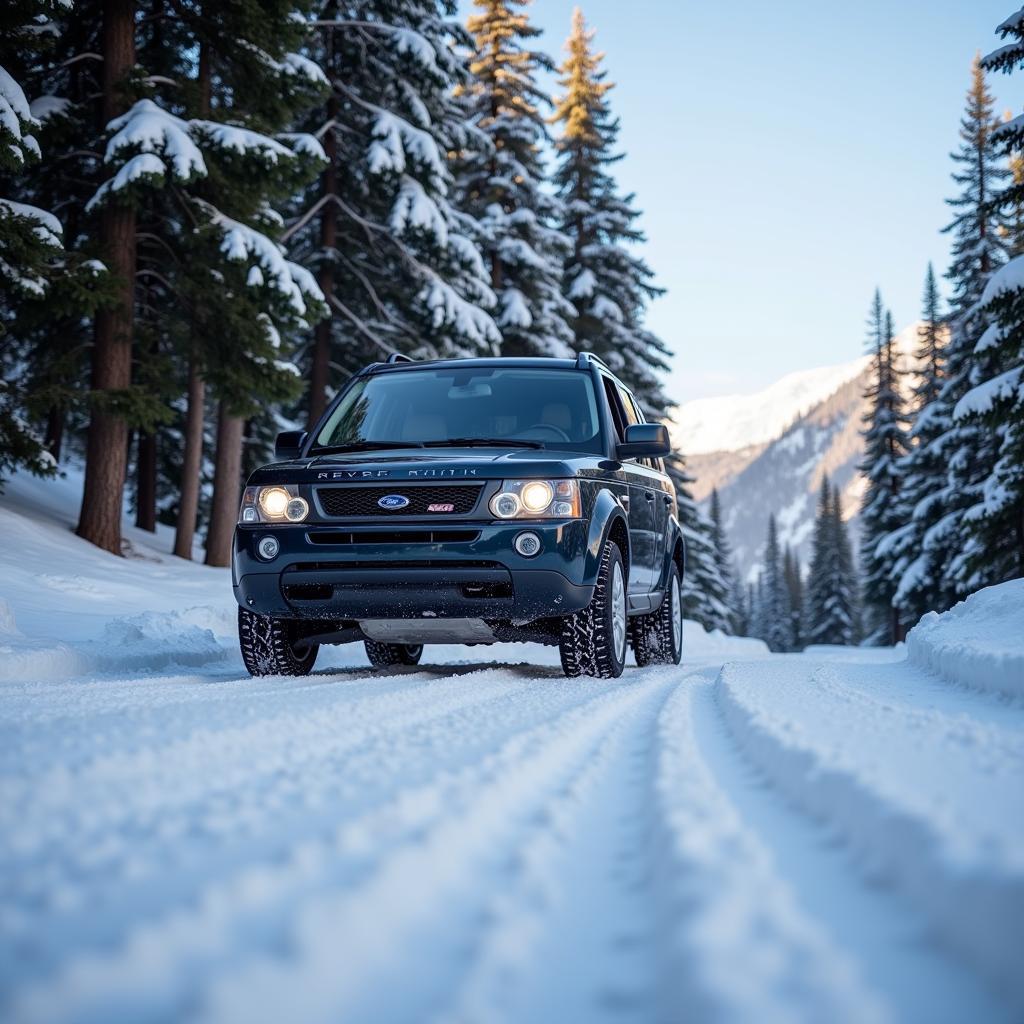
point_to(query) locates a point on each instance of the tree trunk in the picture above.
(106, 449)
(54, 431)
(226, 485)
(192, 463)
(145, 482)
(321, 369)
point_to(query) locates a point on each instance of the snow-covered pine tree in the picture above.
(884, 446)
(30, 238)
(993, 407)
(774, 610)
(607, 282)
(913, 566)
(396, 257)
(964, 446)
(503, 186)
(830, 611)
(723, 558)
(704, 594)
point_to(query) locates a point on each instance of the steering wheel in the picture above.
(560, 434)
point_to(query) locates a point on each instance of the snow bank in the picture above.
(137, 643)
(979, 642)
(929, 800)
(698, 642)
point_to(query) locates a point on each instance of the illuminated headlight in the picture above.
(533, 499)
(279, 503)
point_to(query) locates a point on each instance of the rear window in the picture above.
(554, 407)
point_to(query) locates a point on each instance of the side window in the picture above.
(615, 407)
(632, 416)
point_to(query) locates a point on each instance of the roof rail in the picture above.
(400, 357)
(584, 360)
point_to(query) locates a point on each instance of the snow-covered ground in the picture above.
(834, 836)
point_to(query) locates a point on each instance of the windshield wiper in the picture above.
(483, 442)
(362, 446)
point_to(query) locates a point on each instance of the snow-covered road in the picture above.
(834, 836)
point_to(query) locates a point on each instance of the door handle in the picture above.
(668, 501)
(649, 495)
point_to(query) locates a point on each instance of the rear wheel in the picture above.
(593, 641)
(657, 639)
(273, 647)
(383, 655)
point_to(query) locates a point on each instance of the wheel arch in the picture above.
(607, 522)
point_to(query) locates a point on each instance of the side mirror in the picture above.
(289, 445)
(645, 441)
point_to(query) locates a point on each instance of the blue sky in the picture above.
(787, 157)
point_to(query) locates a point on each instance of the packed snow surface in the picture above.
(835, 836)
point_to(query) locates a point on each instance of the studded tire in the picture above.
(383, 655)
(273, 647)
(587, 645)
(656, 638)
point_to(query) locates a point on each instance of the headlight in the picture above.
(279, 503)
(532, 499)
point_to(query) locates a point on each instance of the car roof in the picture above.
(584, 362)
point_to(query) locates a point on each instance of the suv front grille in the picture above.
(353, 502)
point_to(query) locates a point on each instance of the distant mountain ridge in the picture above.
(821, 414)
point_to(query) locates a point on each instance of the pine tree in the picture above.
(964, 447)
(723, 559)
(884, 446)
(993, 406)
(704, 593)
(396, 257)
(830, 613)
(607, 282)
(914, 568)
(502, 187)
(31, 244)
(774, 610)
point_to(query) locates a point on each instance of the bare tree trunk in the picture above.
(195, 413)
(106, 449)
(321, 369)
(192, 463)
(226, 486)
(145, 482)
(54, 431)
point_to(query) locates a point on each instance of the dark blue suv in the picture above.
(465, 501)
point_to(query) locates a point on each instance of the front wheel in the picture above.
(657, 639)
(273, 647)
(383, 655)
(593, 640)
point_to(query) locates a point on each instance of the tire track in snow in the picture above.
(888, 940)
(938, 822)
(149, 828)
(384, 890)
(738, 947)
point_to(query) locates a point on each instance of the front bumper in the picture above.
(402, 571)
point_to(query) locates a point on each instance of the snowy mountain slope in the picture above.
(478, 838)
(731, 423)
(734, 422)
(782, 475)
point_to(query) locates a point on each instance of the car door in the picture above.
(641, 496)
(664, 503)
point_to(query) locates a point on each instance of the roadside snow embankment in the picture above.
(979, 642)
(930, 798)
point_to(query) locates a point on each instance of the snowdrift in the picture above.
(978, 643)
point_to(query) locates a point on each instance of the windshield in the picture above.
(543, 408)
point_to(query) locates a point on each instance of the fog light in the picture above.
(297, 510)
(527, 544)
(268, 548)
